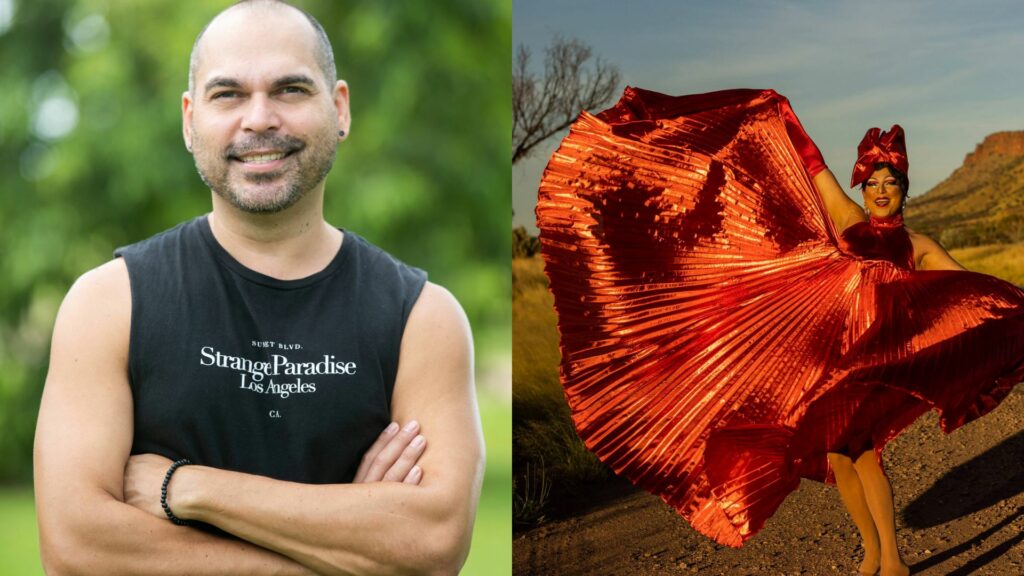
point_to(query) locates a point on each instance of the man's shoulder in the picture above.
(109, 276)
(101, 295)
(438, 308)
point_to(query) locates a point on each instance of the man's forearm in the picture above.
(109, 537)
(379, 528)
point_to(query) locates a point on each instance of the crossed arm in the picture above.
(96, 517)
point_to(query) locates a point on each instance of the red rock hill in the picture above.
(982, 201)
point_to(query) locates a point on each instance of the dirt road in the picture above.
(960, 500)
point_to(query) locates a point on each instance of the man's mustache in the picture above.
(286, 144)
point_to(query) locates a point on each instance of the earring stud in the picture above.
(341, 133)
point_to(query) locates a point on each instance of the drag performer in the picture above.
(732, 322)
(880, 171)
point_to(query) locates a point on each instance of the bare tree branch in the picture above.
(541, 107)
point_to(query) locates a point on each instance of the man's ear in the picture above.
(186, 119)
(340, 97)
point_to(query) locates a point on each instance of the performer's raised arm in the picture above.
(841, 209)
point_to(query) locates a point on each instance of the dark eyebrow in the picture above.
(290, 80)
(221, 82)
(293, 79)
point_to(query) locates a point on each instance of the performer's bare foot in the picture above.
(895, 567)
(872, 561)
(878, 498)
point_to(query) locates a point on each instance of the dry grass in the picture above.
(1004, 261)
(543, 436)
(535, 353)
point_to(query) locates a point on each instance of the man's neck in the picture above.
(287, 245)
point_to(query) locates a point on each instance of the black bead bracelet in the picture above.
(163, 493)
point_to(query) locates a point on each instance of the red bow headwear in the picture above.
(878, 146)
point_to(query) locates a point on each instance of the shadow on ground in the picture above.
(986, 479)
(981, 560)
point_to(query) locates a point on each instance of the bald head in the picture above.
(270, 9)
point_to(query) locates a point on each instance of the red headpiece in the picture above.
(878, 146)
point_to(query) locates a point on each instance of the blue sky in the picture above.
(949, 72)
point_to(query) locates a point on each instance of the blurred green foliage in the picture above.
(92, 155)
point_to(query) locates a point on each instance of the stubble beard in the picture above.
(306, 167)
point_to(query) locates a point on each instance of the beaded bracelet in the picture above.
(163, 493)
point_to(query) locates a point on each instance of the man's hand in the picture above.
(91, 519)
(394, 455)
(416, 524)
(392, 458)
(143, 476)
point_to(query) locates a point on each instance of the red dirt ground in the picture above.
(960, 502)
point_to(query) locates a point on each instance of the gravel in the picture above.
(960, 503)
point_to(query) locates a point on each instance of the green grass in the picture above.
(19, 542)
(491, 553)
(492, 536)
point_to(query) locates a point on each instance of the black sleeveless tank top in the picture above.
(237, 370)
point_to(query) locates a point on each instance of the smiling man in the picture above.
(250, 392)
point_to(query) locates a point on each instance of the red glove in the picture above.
(809, 153)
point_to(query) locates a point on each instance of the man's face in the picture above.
(263, 123)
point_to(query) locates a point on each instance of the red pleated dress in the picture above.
(719, 337)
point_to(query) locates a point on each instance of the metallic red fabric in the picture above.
(878, 146)
(718, 336)
(810, 156)
(880, 239)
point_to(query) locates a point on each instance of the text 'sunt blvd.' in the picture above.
(253, 372)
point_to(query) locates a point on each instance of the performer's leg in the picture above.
(852, 493)
(878, 494)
